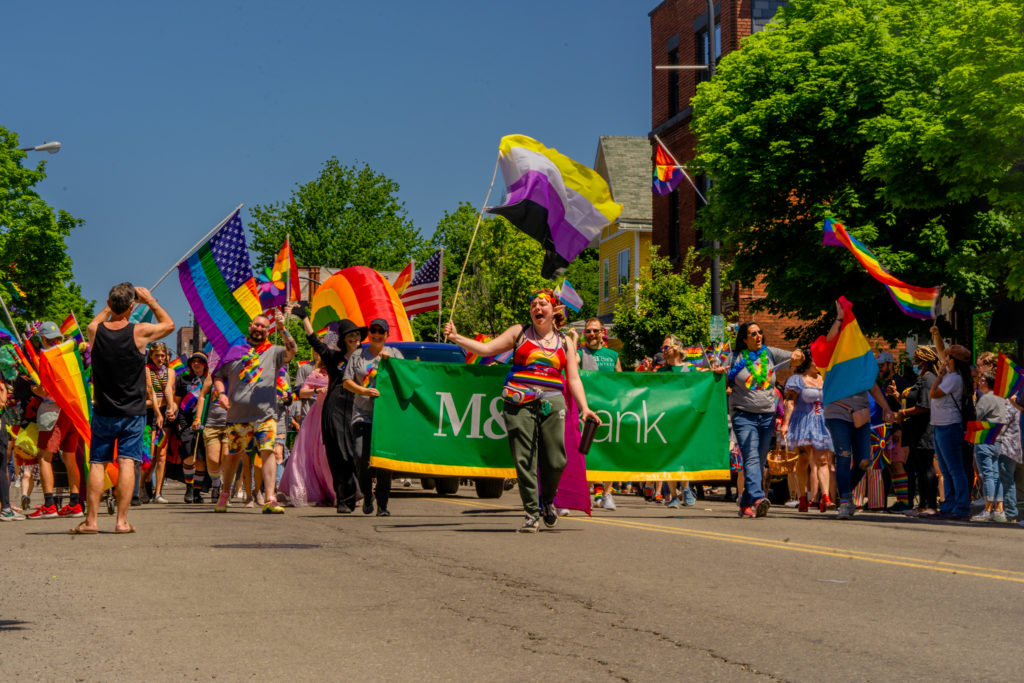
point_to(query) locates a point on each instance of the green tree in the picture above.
(36, 270)
(347, 216)
(584, 276)
(900, 119)
(669, 303)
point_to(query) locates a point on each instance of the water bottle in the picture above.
(587, 437)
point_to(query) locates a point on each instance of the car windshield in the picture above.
(440, 355)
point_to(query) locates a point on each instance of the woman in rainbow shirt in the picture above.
(544, 363)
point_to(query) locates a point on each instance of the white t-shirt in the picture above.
(945, 410)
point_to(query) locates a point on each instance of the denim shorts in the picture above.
(124, 432)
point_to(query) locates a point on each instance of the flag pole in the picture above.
(440, 294)
(479, 218)
(195, 246)
(681, 168)
(14, 328)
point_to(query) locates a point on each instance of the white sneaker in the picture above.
(999, 517)
(846, 511)
(792, 503)
(983, 516)
(608, 503)
(160, 499)
(564, 512)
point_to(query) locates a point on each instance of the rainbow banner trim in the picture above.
(917, 302)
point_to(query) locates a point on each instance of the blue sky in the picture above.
(172, 114)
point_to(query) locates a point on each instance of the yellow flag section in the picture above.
(63, 375)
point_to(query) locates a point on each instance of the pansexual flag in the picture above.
(846, 359)
(667, 174)
(559, 202)
(917, 302)
(1009, 377)
(569, 296)
(979, 431)
(219, 286)
(69, 328)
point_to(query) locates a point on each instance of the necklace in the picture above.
(540, 342)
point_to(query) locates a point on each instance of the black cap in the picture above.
(382, 322)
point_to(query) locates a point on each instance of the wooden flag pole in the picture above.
(195, 246)
(480, 216)
(681, 168)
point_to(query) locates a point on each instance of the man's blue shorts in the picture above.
(126, 432)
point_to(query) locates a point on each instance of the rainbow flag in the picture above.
(694, 355)
(403, 279)
(1009, 377)
(846, 360)
(917, 302)
(284, 388)
(63, 376)
(26, 367)
(473, 359)
(69, 328)
(719, 352)
(667, 174)
(178, 363)
(555, 200)
(880, 446)
(279, 284)
(219, 286)
(979, 432)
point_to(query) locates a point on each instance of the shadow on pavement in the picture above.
(12, 625)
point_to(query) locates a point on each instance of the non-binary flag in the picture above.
(424, 291)
(401, 282)
(667, 174)
(917, 302)
(981, 432)
(219, 286)
(559, 202)
(569, 296)
(1009, 377)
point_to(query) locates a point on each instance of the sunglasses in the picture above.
(666, 347)
(754, 333)
(378, 330)
(592, 331)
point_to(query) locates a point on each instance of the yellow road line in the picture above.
(863, 556)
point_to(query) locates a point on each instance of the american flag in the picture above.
(424, 292)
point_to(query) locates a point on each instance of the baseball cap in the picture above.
(885, 357)
(49, 330)
(381, 322)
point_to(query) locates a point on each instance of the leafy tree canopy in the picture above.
(668, 304)
(903, 121)
(347, 216)
(35, 269)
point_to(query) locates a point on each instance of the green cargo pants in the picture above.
(537, 439)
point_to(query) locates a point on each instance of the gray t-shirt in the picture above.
(843, 409)
(302, 405)
(256, 402)
(990, 408)
(360, 364)
(755, 400)
(944, 409)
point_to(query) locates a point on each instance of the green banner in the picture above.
(446, 419)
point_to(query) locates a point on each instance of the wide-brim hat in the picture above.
(346, 326)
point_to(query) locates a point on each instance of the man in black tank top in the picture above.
(119, 393)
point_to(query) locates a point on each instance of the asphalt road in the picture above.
(444, 590)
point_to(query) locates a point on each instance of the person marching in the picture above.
(187, 389)
(595, 355)
(160, 380)
(247, 389)
(544, 361)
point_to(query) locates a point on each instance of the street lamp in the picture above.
(51, 147)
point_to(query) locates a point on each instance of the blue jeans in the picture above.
(853, 445)
(754, 436)
(126, 432)
(954, 480)
(1006, 469)
(987, 456)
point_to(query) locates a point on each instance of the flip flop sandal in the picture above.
(129, 530)
(79, 531)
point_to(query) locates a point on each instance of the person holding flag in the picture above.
(952, 407)
(187, 388)
(990, 411)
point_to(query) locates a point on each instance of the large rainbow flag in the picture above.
(557, 201)
(667, 174)
(63, 375)
(846, 359)
(219, 286)
(360, 294)
(917, 302)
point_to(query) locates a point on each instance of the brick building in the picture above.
(679, 35)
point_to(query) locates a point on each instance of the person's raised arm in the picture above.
(290, 347)
(500, 344)
(940, 346)
(94, 324)
(150, 332)
(572, 375)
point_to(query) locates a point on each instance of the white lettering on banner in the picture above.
(614, 426)
(496, 418)
(472, 411)
(654, 426)
(618, 424)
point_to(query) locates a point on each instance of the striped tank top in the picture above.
(536, 368)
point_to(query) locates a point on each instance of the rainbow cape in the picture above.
(555, 200)
(846, 360)
(978, 432)
(667, 174)
(1009, 377)
(63, 376)
(917, 302)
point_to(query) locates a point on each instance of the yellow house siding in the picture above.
(615, 242)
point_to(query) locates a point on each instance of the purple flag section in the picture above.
(573, 490)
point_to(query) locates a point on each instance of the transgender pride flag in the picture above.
(557, 201)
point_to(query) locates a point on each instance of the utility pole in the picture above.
(716, 261)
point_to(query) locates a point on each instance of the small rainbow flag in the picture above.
(667, 174)
(69, 328)
(177, 364)
(719, 351)
(694, 355)
(284, 389)
(1009, 377)
(473, 359)
(917, 302)
(979, 432)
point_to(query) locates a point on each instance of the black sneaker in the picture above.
(383, 512)
(549, 513)
(136, 502)
(344, 509)
(188, 494)
(368, 506)
(196, 496)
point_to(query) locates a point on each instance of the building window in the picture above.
(701, 42)
(623, 274)
(673, 227)
(673, 84)
(605, 277)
